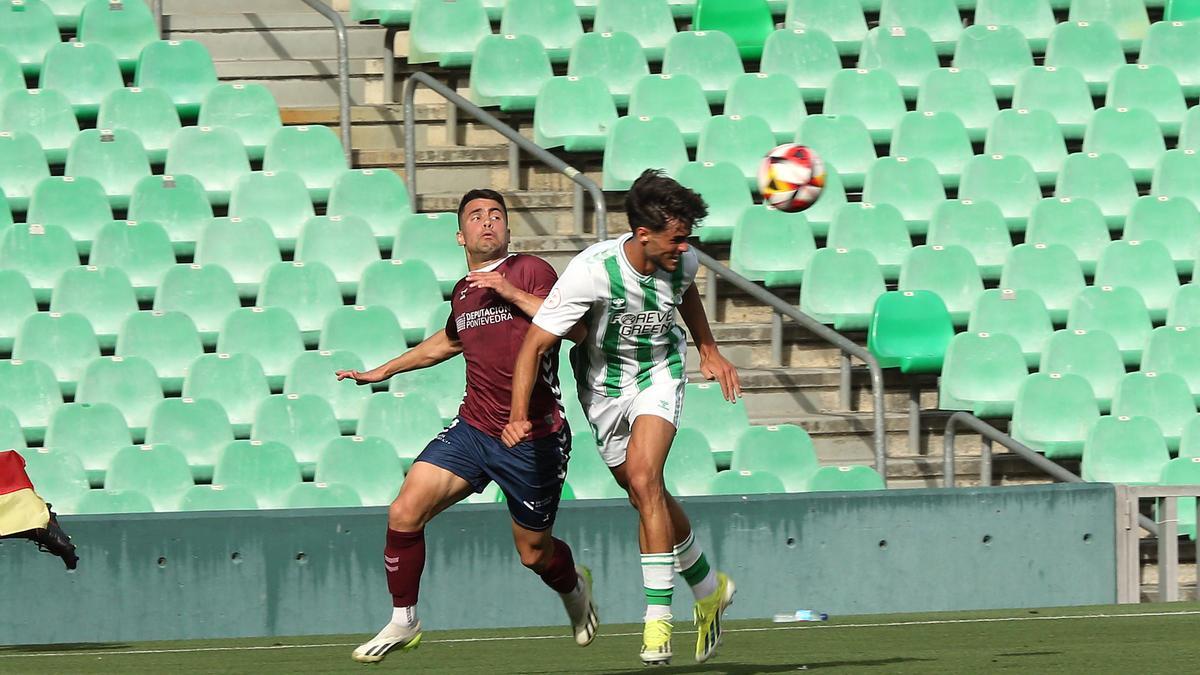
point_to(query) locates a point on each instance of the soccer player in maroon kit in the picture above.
(490, 312)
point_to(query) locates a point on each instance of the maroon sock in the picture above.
(560, 573)
(404, 560)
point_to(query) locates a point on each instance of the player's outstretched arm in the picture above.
(537, 342)
(432, 351)
(713, 366)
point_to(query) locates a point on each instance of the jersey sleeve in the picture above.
(568, 301)
(691, 263)
(451, 320)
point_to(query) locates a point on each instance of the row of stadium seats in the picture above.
(31, 28)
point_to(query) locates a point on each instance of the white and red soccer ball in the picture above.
(791, 177)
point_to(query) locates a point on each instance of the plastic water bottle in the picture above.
(801, 615)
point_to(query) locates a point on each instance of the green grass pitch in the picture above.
(1130, 638)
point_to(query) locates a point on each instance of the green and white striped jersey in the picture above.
(633, 340)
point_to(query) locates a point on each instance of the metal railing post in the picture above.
(343, 60)
(577, 210)
(776, 338)
(844, 382)
(389, 64)
(914, 419)
(985, 461)
(1168, 549)
(156, 8)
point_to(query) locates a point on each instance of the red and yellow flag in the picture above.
(21, 508)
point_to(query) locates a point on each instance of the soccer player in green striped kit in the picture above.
(630, 372)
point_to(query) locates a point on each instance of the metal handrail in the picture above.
(343, 60)
(582, 182)
(156, 8)
(847, 346)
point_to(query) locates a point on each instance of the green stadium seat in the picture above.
(1020, 314)
(616, 58)
(636, 142)
(948, 271)
(1172, 44)
(1053, 414)
(649, 21)
(745, 482)
(590, 477)
(748, 23)
(140, 249)
(84, 72)
(214, 156)
(407, 421)
(41, 253)
(79, 205)
(437, 319)
(845, 479)
(307, 290)
(999, 51)
(265, 469)
(1183, 471)
(771, 246)
(1162, 397)
(181, 68)
(574, 113)
(741, 141)
(978, 227)
(1124, 450)
(11, 76)
(1093, 355)
(982, 372)
(870, 95)
(91, 432)
(314, 373)
(1060, 91)
(1033, 18)
(833, 198)
(446, 32)
(808, 57)
(178, 203)
(369, 465)
(6, 219)
(11, 436)
(842, 140)
(1177, 175)
(168, 340)
(430, 237)
(409, 289)
(876, 228)
(63, 341)
(1184, 309)
(786, 451)
(236, 381)
(1118, 311)
(1092, 48)
(278, 197)
(268, 334)
(248, 109)
(904, 51)
(1132, 133)
(966, 94)
(115, 159)
(322, 495)
(554, 23)
(1033, 135)
(1181, 10)
(126, 28)
(314, 152)
(1152, 88)
(102, 294)
(59, 477)
(912, 185)
(1174, 349)
(345, 244)
(23, 168)
(840, 287)
(443, 385)
(372, 333)
(28, 30)
(378, 196)
(678, 98)
(206, 293)
(938, 18)
(711, 57)
(508, 70)
(113, 501)
(129, 383)
(245, 247)
(158, 471)
(217, 498)
(939, 137)
(29, 390)
(1050, 270)
(1103, 178)
(1145, 266)
(44, 113)
(688, 470)
(1074, 223)
(1006, 181)
(1127, 17)
(843, 22)
(910, 330)
(723, 187)
(1173, 222)
(303, 422)
(16, 304)
(773, 98)
(722, 423)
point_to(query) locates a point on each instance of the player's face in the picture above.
(483, 229)
(664, 248)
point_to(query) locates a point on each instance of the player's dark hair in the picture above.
(655, 198)
(481, 193)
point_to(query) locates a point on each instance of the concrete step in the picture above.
(272, 37)
(305, 82)
(192, 7)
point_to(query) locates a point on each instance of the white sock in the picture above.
(657, 581)
(657, 612)
(691, 564)
(405, 616)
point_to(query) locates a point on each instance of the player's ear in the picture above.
(459, 236)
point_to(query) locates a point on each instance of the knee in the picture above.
(646, 489)
(535, 556)
(405, 516)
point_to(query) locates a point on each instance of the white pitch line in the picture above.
(515, 638)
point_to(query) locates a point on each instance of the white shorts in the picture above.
(612, 418)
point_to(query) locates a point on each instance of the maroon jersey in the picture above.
(491, 331)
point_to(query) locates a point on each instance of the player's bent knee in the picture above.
(404, 515)
(535, 555)
(646, 490)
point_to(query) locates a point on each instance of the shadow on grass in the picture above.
(63, 647)
(756, 669)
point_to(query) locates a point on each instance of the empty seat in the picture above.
(1162, 397)
(1124, 450)
(168, 340)
(46, 114)
(345, 244)
(745, 482)
(1020, 314)
(1177, 175)
(245, 247)
(206, 293)
(79, 205)
(114, 158)
(321, 495)
(159, 471)
(574, 113)
(314, 373)
(11, 76)
(711, 57)
(1033, 18)
(446, 32)
(1007, 182)
(843, 22)
(198, 427)
(314, 152)
(785, 451)
(508, 70)
(214, 156)
(113, 501)
(16, 304)
(845, 479)
(905, 52)
(430, 237)
(407, 421)
(833, 197)
(1142, 265)
(1183, 471)
(741, 141)
(1092, 48)
(1050, 270)
(438, 318)
(1185, 306)
(248, 109)
(1132, 133)
(130, 384)
(555, 24)
(1074, 223)
(64, 341)
(1172, 44)
(912, 185)
(876, 228)
(178, 203)
(616, 58)
(748, 23)
(938, 18)
(771, 246)
(873, 96)
(181, 68)
(964, 93)
(808, 57)
(1103, 178)
(369, 465)
(910, 330)
(443, 385)
(1118, 311)
(999, 51)
(28, 31)
(1173, 222)
(1033, 135)
(217, 498)
(409, 289)
(840, 287)
(265, 469)
(278, 197)
(91, 432)
(649, 21)
(59, 477)
(842, 140)
(948, 271)
(23, 168)
(637, 142)
(1053, 413)
(305, 423)
(378, 196)
(982, 373)
(41, 253)
(125, 28)
(102, 294)
(372, 333)
(688, 470)
(679, 98)
(724, 190)
(1127, 17)
(939, 137)
(706, 410)
(774, 98)
(978, 227)
(1174, 349)
(269, 334)
(307, 290)
(29, 390)
(140, 249)
(236, 381)
(84, 72)
(1091, 354)
(1152, 88)
(1060, 91)
(590, 477)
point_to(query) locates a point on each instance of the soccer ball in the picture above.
(790, 178)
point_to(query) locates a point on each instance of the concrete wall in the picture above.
(164, 576)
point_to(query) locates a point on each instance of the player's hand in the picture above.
(494, 281)
(361, 376)
(713, 366)
(516, 431)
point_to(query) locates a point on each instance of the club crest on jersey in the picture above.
(618, 304)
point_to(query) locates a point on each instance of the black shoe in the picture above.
(52, 539)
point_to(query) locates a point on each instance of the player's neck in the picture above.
(474, 263)
(635, 254)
